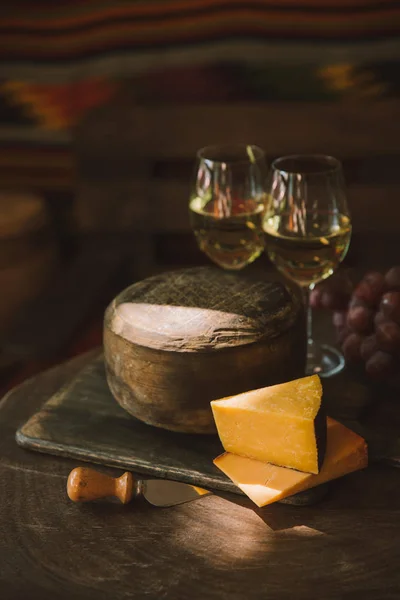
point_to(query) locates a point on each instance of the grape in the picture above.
(388, 336)
(339, 319)
(354, 301)
(368, 293)
(368, 331)
(336, 301)
(392, 278)
(390, 306)
(351, 347)
(379, 318)
(375, 279)
(377, 284)
(342, 333)
(332, 295)
(360, 318)
(315, 297)
(369, 346)
(380, 365)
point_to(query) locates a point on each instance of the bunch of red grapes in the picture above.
(369, 329)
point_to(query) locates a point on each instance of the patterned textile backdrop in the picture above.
(106, 101)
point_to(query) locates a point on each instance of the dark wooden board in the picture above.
(84, 422)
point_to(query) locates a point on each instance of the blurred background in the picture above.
(103, 106)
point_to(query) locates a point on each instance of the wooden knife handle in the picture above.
(85, 484)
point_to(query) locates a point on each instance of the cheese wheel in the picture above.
(176, 341)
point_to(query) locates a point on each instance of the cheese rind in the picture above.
(265, 483)
(283, 424)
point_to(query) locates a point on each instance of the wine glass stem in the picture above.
(308, 310)
(313, 349)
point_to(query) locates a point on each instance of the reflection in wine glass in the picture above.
(308, 229)
(227, 203)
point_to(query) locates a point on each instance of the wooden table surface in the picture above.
(347, 546)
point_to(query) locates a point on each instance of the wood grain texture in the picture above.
(175, 342)
(83, 421)
(220, 546)
(203, 309)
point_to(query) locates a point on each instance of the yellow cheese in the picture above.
(283, 424)
(265, 483)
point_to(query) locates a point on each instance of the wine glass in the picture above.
(227, 203)
(307, 233)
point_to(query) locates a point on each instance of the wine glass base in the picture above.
(330, 362)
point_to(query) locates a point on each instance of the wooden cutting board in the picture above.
(84, 422)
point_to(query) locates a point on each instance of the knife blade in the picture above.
(85, 485)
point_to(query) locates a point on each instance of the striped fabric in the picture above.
(79, 30)
(82, 28)
(61, 60)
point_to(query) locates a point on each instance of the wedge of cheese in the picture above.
(265, 483)
(282, 424)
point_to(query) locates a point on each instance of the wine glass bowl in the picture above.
(307, 232)
(227, 203)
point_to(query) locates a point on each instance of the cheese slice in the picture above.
(265, 483)
(283, 424)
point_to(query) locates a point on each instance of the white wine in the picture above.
(310, 258)
(232, 241)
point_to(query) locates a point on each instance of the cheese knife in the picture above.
(85, 484)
